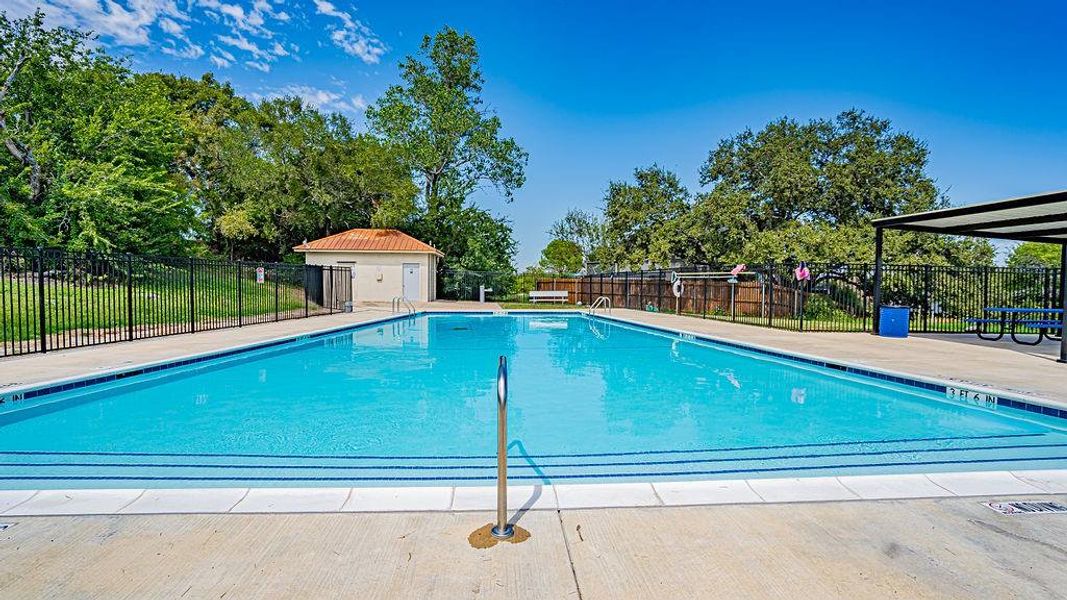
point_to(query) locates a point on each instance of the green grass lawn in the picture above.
(79, 307)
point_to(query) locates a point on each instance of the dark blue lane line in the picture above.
(493, 456)
(567, 476)
(527, 465)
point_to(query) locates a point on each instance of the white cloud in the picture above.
(220, 62)
(190, 50)
(171, 26)
(353, 36)
(124, 25)
(257, 65)
(326, 100)
(252, 20)
(242, 43)
(189, 29)
(224, 54)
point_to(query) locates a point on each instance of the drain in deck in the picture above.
(1027, 508)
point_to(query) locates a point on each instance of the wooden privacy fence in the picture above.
(836, 297)
(748, 298)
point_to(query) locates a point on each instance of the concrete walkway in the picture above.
(951, 548)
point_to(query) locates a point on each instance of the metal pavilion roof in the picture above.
(1039, 218)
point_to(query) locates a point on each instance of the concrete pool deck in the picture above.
(817, 537)
(938, 548)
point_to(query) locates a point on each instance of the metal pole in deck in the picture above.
(1063, 303)
(502, 530)
(877, 279)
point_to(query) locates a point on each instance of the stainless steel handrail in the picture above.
(400, 301)
(599, 302)
(502, 530)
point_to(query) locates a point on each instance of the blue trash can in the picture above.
(893, 321)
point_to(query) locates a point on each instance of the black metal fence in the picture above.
(836, 297)
(51, 299)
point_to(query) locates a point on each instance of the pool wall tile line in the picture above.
(1002, 398)
(551, 497)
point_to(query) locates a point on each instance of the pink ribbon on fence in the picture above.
(739, 268)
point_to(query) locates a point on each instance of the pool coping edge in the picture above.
(719, 492)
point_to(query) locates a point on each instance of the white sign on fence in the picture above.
(261, 274)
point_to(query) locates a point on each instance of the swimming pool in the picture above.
(411, 402)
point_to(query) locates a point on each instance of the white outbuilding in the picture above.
(385, 263)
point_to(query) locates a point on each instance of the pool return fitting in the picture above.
(502, 530)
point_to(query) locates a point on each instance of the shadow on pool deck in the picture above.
(1047, 349)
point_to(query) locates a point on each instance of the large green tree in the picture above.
(562, 257)
(639, 215)
(808, 191)
(268, 176)
(452, 145)
(790, 191)
(584, 229)
(1035, 255)
(88, 160)
(438, 120)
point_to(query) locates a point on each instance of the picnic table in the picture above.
(1012, 319)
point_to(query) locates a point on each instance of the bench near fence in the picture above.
(549, 296)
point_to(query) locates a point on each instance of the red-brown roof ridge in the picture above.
(368, 240)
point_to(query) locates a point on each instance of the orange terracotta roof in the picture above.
(368, 240)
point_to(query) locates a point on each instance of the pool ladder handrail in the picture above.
(502, 530)
(599, 303)
(402, 302)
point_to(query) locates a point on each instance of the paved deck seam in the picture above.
(31, 497)
(927, 476)
(754, 491)
(125, 506)
(570, 555)
(239, 500)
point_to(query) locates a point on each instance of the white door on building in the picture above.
(411, 281)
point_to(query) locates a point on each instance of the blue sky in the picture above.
(593, 90)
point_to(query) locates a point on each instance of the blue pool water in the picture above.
(411, 402)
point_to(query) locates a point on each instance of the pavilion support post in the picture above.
(877, 280)
(1063, 303)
